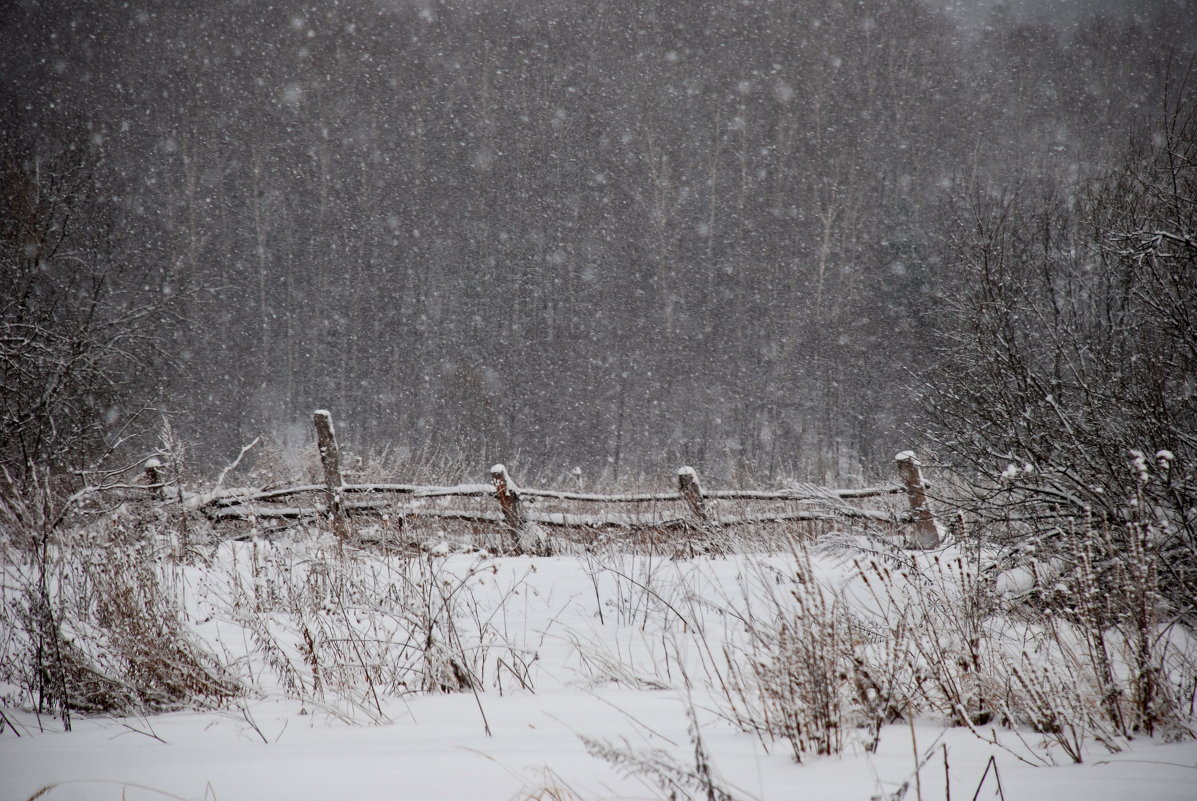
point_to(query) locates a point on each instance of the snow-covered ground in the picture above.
(435, 749)
(592, 670)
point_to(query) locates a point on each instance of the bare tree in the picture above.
(1067, 391)
(80, 327)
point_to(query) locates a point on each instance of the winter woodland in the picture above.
(555, 400)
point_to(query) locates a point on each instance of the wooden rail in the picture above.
(687, 508)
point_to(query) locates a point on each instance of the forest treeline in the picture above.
(623, 236)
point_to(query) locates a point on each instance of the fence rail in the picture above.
(689, 508)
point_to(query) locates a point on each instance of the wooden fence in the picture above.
(518, 512)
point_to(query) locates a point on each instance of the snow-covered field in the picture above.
(595, 676)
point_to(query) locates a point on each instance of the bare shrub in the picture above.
(82, 339)
(903, 635)
(344, 630)
(97, 627)
(790, 678)
(1056, 700)
(1063, 395)
(1105, 594)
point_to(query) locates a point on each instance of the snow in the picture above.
(1139, 460)
(1015, 582)
(607, 660)
(906, 456)
(438, 752)
(437, 548)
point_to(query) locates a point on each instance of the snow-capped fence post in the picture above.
(926, 531)
(155, 478)
(330, 461)
(509, 501)
(691, 492)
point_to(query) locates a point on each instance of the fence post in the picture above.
(691, 492)
(509, 501)
(926, 531)
(155, 477)
(330, 461)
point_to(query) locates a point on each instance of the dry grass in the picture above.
(97, 627)
(100, 614)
